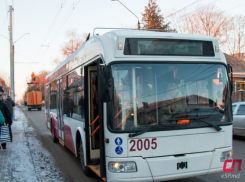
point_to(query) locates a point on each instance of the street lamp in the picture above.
(130, 12)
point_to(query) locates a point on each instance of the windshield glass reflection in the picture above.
(145, 95)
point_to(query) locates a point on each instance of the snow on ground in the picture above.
(25, 160)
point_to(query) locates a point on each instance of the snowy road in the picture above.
(67, 166)
(25, 159)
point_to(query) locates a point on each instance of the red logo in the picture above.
(239, 161)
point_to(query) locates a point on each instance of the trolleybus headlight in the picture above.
(122, 167)
(225, 155)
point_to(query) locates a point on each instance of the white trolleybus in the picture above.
(137, 105)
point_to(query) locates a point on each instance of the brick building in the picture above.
(238, 67)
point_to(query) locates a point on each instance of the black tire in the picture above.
(85, 169)
(29, 109)
(39, 109)
(54, 139)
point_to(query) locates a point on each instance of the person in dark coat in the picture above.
(66, 105)
(5, 112)
(81, 106)
(10, 104)
(71, 105)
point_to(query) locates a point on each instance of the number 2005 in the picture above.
(145, 144)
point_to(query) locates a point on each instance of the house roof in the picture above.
(238, 66)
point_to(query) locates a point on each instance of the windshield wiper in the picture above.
(137, 133)
(142, 131)
(148, 129)
(218, 128)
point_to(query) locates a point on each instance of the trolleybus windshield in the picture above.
(173, 96)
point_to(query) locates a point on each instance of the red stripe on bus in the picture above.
(68, 138)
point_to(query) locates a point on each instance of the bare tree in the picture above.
(152, 19)
(5, 78)
(56, 61)
(41, 78)
(236, 38)
(5, 81)
(75, 41)
(207, 20)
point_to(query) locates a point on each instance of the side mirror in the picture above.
(230, 72)
(104, 85)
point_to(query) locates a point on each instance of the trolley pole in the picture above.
(12, 93)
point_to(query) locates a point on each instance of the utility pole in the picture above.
(12, 93)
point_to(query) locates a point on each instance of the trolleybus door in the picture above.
(60, 109)
(93, 112)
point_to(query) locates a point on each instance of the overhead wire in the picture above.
(182, 2)
(183, 8)
(64, 22)
(62, 5)
(209, 4)
(197, 9)
(60, 27)
(5, 18)
(45, 37)
(235, 7)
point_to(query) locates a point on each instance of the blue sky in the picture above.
(47, 33)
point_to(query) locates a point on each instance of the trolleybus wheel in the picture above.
(85, 169)
(55, 140)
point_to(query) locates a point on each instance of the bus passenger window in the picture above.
(66, 104)
(53, 96)
(75, 89)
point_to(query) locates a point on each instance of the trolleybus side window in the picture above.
(75, 91)
(53, 97)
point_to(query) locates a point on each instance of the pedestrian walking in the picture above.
(10, 104)
(5, 112)
(66, 105)
(71, 102)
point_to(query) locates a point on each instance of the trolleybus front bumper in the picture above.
(169, 167)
